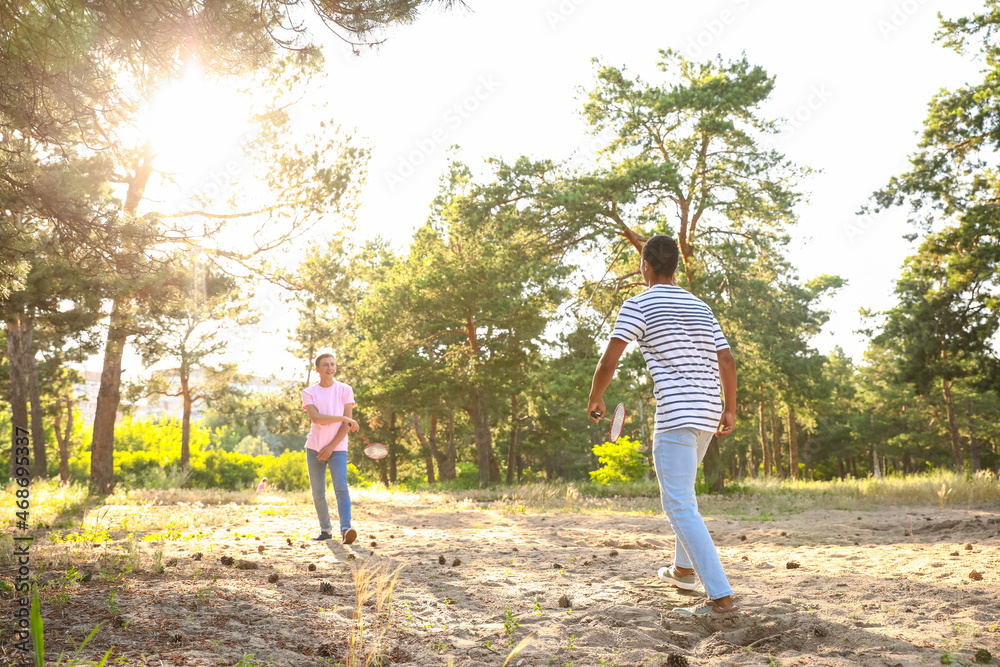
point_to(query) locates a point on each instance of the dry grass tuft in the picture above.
(374, 584)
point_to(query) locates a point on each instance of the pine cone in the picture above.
(228, 561)
(675, 660)
(326, 588)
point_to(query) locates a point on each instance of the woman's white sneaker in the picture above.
(669, 575)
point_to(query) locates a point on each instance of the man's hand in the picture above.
(595, 405)
(351, 424)
(727, 423)
(324, 453)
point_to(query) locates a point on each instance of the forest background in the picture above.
(470, 347)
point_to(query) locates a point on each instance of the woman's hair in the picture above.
(661, 253)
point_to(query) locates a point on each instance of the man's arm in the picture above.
(727, 373)
(341, 433)
(603, 375)
(317, 418)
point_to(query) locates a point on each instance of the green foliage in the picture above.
(251, 445)
(37, 628)
(159, 437)
(287, 472)
(621, 461)
(354, 477)
(225, 437)
(226, 470)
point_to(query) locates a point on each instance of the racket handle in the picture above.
(595, 414)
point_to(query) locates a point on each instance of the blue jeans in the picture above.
(676, 455)
(337, 463)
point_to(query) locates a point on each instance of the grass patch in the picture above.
(938, 487)
(133, 510)
(53, 504)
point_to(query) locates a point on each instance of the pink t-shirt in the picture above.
(328, 401)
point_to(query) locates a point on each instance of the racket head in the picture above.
(376, 451)
(617, 421)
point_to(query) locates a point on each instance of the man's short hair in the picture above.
(324, 356)
(662, 254)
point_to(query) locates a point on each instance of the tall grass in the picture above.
(938, 487)
(374, 584)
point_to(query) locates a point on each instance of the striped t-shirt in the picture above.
(679, 338)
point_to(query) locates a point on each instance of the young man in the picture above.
(686, 353)
(330, 405)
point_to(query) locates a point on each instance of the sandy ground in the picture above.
(887, 588)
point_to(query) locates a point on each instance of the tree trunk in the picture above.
(40, 464)
(956, 446)
(63, 437)
(714, 478)
(102, 448)
(740, 471)
(185, 417)
(764, 447)
(776, 442)
(793, 444)
(806, 458)
(429, 458)
(426, 446)
(713, 466)
(854, 467)
(393, 447)
(973, 441)
(18, 384)
(495, 477)
(907, 465)
(446, 459)
(448, 469)
(512, 445)
(484, 442)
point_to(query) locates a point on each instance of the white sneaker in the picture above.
(686, 582)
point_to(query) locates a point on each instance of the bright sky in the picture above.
(853, 77)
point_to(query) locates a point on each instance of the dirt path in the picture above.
(825, 587)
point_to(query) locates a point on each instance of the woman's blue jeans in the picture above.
(337, 463)
(676, 455)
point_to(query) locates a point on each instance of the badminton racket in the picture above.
(617, 420)
(374, 450)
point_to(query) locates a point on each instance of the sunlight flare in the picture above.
(195, 126)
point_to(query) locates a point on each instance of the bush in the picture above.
(226, 470)
(621, 461)
(354, 477)
(158, 436)
(287, 472)
(146, 470)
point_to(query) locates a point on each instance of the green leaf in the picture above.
(37, 629)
